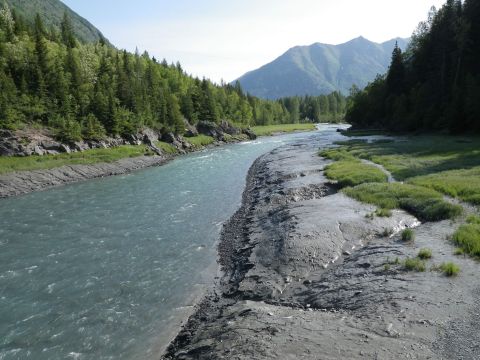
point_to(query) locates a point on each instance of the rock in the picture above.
(80, 146)
(65, 149)
(228, 128)
(251, 135)
(38, 151)
(51, 145)
(209, 129)
(190, 130)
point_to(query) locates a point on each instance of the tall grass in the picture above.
(467, 237)
(425, 204)
(354, 172)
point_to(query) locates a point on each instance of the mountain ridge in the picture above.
(52, 12)
(321, 68)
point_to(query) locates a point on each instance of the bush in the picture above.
(67, 130)
(92, 128)
(425, 254)
(408, 235)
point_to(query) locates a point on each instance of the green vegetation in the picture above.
(87, 90)
(414, 264)
(447, 164)
(268, 130)
(425, 254)
(200, 140)
(449, 269)
(11, 164)
(467, 237)
(433, 85)
(53, 11)
(383, 212)
(408, 235)
(426, 204)
(166, 147)
(354, 172)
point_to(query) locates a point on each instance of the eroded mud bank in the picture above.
(308, 276)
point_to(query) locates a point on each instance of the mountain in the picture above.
(321, 69)
(52, 13)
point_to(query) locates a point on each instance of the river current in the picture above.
(105, 269)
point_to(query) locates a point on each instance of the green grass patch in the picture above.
(200, 140)
(462, 184)
(381, 212)
(449, 269)
(354, 172)
(425, 254)
(467, 238)
(88, 157)
(408, 235)
(414, 264)
(166, 147)
(363, 132)
(268, 130)
(425, 204)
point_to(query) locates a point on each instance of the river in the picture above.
(105, 269)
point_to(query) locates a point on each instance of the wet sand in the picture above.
(306, 275)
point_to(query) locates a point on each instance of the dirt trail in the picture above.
(308, 276)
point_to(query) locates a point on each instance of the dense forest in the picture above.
(49, 78)
(435, 84)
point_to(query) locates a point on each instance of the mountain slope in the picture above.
(321, 69)
(52, 13)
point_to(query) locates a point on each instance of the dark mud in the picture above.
(308, 275)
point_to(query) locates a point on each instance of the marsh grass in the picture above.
(88, 157)
(467, 237)
(408, 235)
(414, 264)
(268, 130)
(425, 204)
(381, 212)
(449, 269)
(354, 172)
(425, 254)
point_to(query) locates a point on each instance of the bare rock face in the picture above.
(190, 130)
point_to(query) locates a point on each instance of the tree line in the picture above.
(49, 78)
(435, 83)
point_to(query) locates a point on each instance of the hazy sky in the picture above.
(223, 39)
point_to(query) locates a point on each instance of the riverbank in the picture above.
(22, 175)
(310, 273)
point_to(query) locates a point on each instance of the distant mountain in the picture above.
(321, 68)
(52, 13)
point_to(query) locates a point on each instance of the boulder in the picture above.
(209, 129)
(251, 135)
(228, 128)
(190, 130)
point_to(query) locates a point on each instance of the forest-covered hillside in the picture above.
(52, 12)
(435, 84)
(87, 90)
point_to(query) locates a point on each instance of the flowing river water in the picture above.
(105, 269)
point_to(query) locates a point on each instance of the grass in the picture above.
(200, 140)
(448, 164)
(11, 164)
(383, 212)
(425, 254)
(449, 269)
(425, 204)
(414, 264)
(166, 147)
(408, 235)
(354, 172)
(467, 237)
(268, 130)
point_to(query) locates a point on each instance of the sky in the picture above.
(223, 39)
